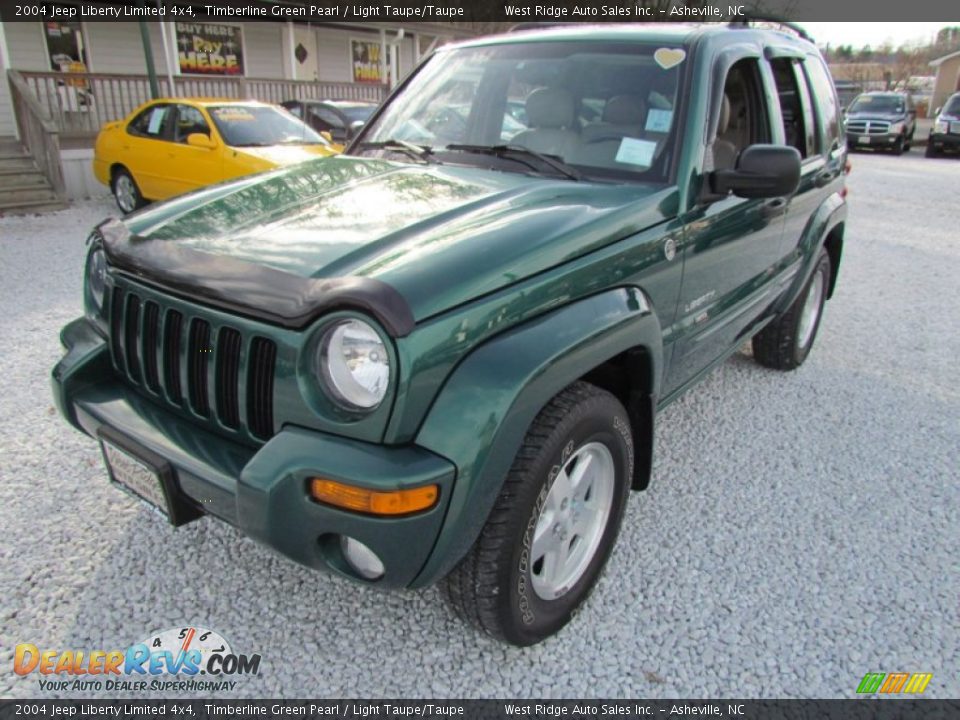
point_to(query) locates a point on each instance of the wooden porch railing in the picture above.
(80, 103)
(38, 133)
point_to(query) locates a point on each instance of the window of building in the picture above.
(65, 46)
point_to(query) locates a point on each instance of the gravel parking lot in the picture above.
(801, 529)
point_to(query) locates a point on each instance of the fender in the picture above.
(831, 213)
(482, 414)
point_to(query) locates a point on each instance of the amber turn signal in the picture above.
(394, 502)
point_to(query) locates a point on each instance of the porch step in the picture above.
(15, 164)
(15, 195)
(23, 188)
(9, 145)
(32, 178)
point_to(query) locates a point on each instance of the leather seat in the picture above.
(623, 116)
(724, 152)
(550, 117)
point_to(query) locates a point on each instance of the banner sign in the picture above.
(367, 67)
(485, 709)
(207, 49)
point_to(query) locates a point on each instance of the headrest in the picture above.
(625, 110)
(724, 122)
(550, 108)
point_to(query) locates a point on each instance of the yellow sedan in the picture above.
(171, 146)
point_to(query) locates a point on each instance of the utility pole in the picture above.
(148, 56)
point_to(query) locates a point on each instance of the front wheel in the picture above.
(898, 146)
(554, 523)
(931, 151)
(785, 343)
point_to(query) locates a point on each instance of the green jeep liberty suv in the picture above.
(441, 354)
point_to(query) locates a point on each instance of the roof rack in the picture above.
(541, 25)
(783, 24)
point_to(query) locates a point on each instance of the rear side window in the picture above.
(151, 123)
(794, 107)
(825, 100)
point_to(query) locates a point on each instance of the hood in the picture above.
(279, 155)
(873, 115)
(439, 235)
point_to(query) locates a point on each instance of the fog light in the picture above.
(362, 559)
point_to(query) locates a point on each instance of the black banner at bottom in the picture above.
(871, 709)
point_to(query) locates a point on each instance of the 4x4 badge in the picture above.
(670, 248)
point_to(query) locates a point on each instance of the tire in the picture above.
(785, 343)
(501, 586)
(931, 151)
(898, 146)
(126, 193)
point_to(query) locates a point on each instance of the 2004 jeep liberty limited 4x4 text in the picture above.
(440, 356)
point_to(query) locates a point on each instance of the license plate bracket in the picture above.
(864, 139)
(145, 475)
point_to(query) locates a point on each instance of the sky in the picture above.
(873, 34)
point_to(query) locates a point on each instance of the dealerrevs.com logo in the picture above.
(167, 661)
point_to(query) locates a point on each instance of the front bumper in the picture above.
(261, 490)
(884, 140)
(944, 141)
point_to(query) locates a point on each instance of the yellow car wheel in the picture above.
(125, 191)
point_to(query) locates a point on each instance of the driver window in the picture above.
(743, 116)
(189, 121)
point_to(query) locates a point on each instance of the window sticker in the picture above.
(669, 57)
(636, 152)
(230, 114)
(659, 120)
(156, 120)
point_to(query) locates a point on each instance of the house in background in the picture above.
(948, 79)
(60, 81)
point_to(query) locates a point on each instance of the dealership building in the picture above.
(64, 77)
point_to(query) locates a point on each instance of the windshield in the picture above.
(357, 112)
(258, 126)
(606, 109)
(883, 104)
(953, 107)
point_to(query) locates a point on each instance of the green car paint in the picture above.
(516, 283)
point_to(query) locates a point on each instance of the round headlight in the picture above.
(354, 364)
(97, 276)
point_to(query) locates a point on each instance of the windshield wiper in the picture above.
(417, 152)
(519, 153)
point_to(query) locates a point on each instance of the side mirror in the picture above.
(201, 140)
(355, 127)
(937, 111)
(762, 171)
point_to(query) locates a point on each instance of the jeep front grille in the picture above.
(868, 127)
(173, 358)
